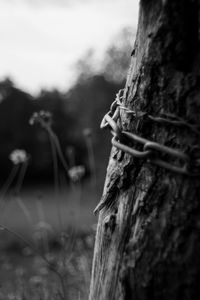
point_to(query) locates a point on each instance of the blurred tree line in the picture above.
(81, 107)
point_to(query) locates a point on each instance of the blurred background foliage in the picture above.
(52, 213)
(81, 107)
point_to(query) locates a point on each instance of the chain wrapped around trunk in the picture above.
(151, 151)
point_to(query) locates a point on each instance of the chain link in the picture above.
(152, 151)
(132, 151)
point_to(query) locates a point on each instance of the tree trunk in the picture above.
(148, 236)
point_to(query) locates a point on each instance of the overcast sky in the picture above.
(42, 39)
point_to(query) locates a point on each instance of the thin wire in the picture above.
(176, 120)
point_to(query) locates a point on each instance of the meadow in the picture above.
(47, 243)
(47, 231)
(53, 159)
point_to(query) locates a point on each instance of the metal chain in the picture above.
(153, 152)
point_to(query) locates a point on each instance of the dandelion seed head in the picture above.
(42, 117)
(76, 173)
(18, 156)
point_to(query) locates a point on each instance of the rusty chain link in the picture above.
(151, 151)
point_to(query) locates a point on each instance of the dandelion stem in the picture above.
(21, 177)
(24, 209)
(71, 156)
(42, 219)
(55, 166)
(9, 181)
(58, 147)
(56, 180)
(91, 158)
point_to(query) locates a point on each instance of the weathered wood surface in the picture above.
(148, 244)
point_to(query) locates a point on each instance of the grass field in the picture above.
(47, 243)
(47, 232)
(70, 207)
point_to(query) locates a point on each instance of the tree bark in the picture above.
(148, 241)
